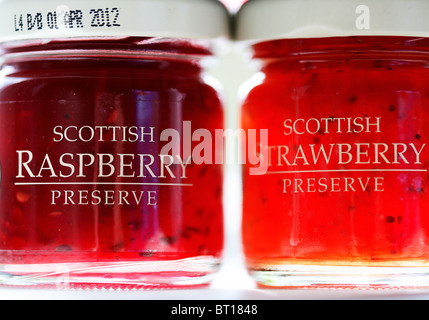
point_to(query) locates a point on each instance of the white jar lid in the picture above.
(260, 20)
(47, 19)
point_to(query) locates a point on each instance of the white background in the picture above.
(233, 281)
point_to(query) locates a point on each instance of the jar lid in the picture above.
(260, 20)
(47, 19)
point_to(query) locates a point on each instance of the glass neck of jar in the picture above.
(128, 48)
(358, 46)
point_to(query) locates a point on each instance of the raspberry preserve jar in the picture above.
(340, 198)
(100, 107)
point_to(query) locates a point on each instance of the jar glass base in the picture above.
(341, 277)
(170, 274)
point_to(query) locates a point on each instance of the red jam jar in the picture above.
(340, 198)
(99, 103)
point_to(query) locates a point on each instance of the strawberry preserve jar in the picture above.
(343, 90)
(100, 103)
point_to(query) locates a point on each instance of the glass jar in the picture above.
(99, 105)
(344, 91)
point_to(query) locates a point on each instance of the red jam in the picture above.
(348, 158)
(86, 191)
